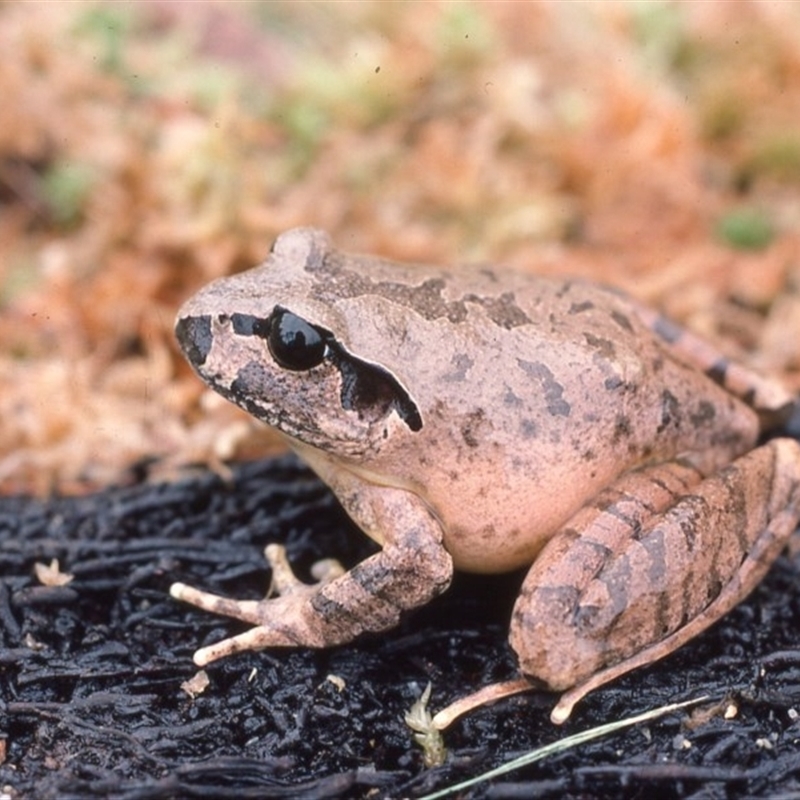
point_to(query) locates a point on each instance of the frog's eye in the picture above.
(294, 343)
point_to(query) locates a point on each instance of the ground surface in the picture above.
(91, 672)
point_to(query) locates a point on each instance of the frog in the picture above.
(486, 419)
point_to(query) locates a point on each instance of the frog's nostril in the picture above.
(194, 336)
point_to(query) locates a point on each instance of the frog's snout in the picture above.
(195, 338)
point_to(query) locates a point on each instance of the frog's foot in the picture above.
(405, 573)
(284, 620)
(489, 694)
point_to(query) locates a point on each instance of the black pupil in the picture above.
(293, 342)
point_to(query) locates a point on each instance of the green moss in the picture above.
(779, 157)
(304, 122)
(746, 229)
(660, 30)
(22, 275)
(66, 187)
(329, 96)
(464, 35)
(721, 117)
(109, 26)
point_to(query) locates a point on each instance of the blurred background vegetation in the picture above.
(148, 148)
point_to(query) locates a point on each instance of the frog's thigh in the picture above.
(644, 573)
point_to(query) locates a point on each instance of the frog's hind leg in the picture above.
(569, 563)
(634, 577)
(773, 403)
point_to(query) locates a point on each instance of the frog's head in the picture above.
(268, 341)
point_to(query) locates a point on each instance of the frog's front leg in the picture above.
(655, 560)
(412, 568)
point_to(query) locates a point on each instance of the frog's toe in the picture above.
(326, 570)
(254, 639)
(246, 610)
(283, 627)
(286, 583)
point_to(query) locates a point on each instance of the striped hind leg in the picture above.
(655, 560)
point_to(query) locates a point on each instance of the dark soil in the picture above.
(91, 673)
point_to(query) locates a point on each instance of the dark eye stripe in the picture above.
(297, 345)
(249, 325)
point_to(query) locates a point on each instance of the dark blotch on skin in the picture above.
(250, 325)
(252, 380)
(670, 411)
(553, 390)
(528, 429)
(713, 589)
(688, 524)
(602, 551)
(633, 523)
(337, 280)
(577, 308)
(329, 609)
(718, 370)
(373, 578)
(564, 289)
(585, 619)
(503, 310)
(613, 382)
(622, 428)
(246, 324)
(622, 321)
(617, 580)
(510, 399)
(604, 347)
(704, 414)
(552, 602)
(737, 504)
(461, 363)
(194, 335)
(657, 551)
(248, 389)
(469, 430)
(667, 330)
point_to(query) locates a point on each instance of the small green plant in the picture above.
(746, 229)
(66, 187)
(563, 745)
(109, 26)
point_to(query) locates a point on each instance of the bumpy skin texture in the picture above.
(489, 420)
